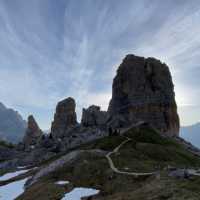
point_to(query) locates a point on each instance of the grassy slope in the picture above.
(146, 152)
(149, 151)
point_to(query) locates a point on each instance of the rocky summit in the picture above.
(33, 133)
(143, 91)
(64, 118)
(93, 116)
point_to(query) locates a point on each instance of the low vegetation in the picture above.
(146, 152)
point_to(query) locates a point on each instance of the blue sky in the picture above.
(52, 49)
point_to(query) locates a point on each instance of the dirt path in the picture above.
(112, 166)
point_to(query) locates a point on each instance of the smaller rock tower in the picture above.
(64, 118)
(33, 133)
(93, 116)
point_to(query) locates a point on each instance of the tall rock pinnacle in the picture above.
(64, 118)
(33, 132)
(143, 91)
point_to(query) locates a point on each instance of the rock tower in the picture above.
(64, 118)
(143, 90)
(33, 133)
(93, 116)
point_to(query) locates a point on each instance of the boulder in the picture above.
(143, 90)
(33, 133)
(64, 118)
(93, 116)
(179, 173)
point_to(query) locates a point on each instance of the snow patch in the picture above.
(78, 193)
(62, 182)
(194, 172)
(12, 190)
(22, 167)
(10, 175)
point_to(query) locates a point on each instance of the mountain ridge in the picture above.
(191, 133)
(12, 125)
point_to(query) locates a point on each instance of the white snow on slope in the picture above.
(12, 174)
(78, 193)
(22, 167)
(62, 182)
(194, 172)
(12, 190)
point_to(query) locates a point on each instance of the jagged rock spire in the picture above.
(33, 132)
(64, 118)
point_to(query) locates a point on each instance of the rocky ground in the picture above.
(88, 167)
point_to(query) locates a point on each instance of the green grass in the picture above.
(107, 144)
(149, 151)
(44, 191)
(93, 172)
(149, 135)
(192, 185)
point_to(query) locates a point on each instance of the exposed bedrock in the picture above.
(93, 116)
(64, 118)
(143, 90)
(33, 133)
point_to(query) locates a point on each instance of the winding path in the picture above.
(112, 166)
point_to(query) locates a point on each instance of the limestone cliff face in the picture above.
(33, 133)
(64, 118)
(93, 116)
(143, 91)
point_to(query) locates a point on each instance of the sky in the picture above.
(53, 49)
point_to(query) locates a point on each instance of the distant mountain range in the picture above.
(12, 125)
(191, 134)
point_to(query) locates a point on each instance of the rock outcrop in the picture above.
(143, 91)
(33, 133)
(66, 160)
(93, 116)
(64, 118)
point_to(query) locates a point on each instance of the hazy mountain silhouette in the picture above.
(191, 133)
(12, 125)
